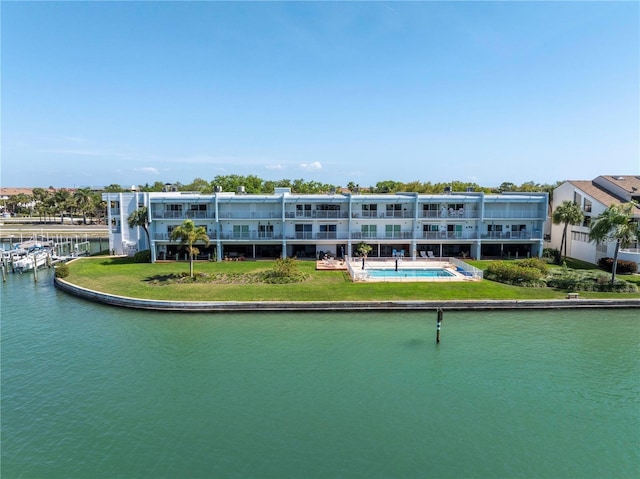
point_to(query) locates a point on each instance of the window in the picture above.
(518, 231)
(369, 231)
(370, 210)
(197, 211)
(327, 211)
(327, 232)
(454, 231)
(266, 231)
(392, 231)
(495, 231)
(241, 231)
(303, 210)
(587, 206)
(303, 231)
(578, 236)
(577, 198)
(430, 231)
(430, 210)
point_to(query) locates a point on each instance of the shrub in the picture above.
(535, 263)
(62, 271)
(285, 270)
(571, 280)
(624, 267)
(143, 256)
(552, 255)
(514, 273)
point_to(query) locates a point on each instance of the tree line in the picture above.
(50, 203)
(255, 185)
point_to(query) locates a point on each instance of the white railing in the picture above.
(466, 268)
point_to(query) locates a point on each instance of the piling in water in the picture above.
(439, 325)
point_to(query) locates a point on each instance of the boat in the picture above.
(35, 258)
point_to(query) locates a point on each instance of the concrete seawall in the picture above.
(255, 306)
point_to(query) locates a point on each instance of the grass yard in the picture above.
(122, 277)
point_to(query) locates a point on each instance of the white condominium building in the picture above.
(283, 224)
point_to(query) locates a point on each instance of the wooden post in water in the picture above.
(4, 273)
(439, 325)
(35, 270)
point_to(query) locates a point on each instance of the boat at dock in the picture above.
(34, 258)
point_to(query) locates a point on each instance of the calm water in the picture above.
(91, 391)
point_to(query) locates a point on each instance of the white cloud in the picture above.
(148, 169)
(274, 167)
(311, 166)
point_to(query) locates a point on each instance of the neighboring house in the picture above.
(594, 197)
(308, 226)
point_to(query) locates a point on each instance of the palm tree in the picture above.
(363, 249)
(188, 234)
(63, 203)
(84, 202)
(140, 217)
(615, 224)
(568, 213)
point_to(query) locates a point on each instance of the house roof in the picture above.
(625, 182)
(597, 193)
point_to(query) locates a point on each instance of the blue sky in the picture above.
(95, 93)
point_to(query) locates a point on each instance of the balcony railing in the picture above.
(167, 236)
(515, 235)
(357, 235)
(256, 215)
(383, 214)
(181, 215)
(304, 235)
(522, 213)
(323, 235)
(460, 213)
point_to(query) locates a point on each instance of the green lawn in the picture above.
(122, 277)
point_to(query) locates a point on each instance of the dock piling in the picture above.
(439, 325)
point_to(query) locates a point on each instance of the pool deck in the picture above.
(348, 306)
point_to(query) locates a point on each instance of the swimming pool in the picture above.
(409, 273)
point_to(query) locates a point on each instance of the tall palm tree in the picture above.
(84, 202)
(140, 217)
(615, 224)
(188, 234)
(567, 213)
(63, 203)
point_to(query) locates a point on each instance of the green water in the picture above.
(90, 391)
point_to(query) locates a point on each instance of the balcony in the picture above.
(451, 213)
(325, 235)
(167, 236)
(181, 215)
(405, 235)
(515, 235)
(245, 215)
(200, 215)
(384, 214)
(303, 235)
(513, 213)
